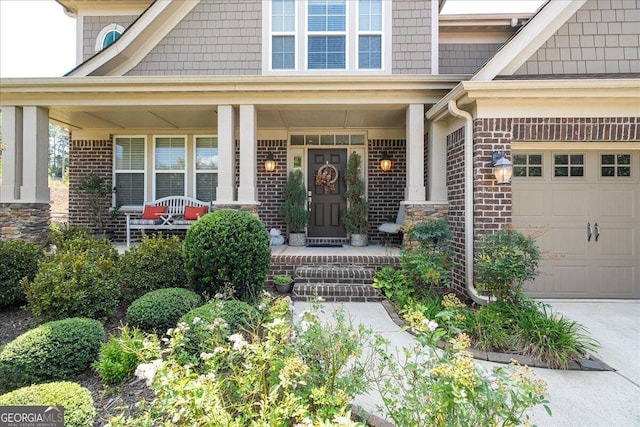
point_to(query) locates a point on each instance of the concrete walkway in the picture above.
(577, 398)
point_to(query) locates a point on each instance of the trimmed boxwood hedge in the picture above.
(18, 259)
(228, 249)
(53, 351)
(76, 400)
(161, 309)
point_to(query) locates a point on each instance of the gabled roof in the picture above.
(137, 40)
(549, 18)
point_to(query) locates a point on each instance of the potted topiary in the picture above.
(293, 209)
(355, 216)
(284, 284)
(99, 195)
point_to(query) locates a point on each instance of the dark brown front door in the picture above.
(327, 201)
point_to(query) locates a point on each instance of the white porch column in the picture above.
(437, 163)
(35, 144)
(226, 155)
(247, 188)
(415, 190)
(12, 154)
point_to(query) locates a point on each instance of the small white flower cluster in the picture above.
(431, 325)
(238, 341)
(146, 371)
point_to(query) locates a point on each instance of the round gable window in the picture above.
(108, 35)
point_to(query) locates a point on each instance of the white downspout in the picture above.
(468, 201)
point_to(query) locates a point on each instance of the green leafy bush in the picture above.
(429, 271)
(59, 235)
(120, 356)
(53, 351)
(76, 400)
(228, 248)
(155, 264)
(434, 234)
(229, 317)
(161, 309)
(293, 210)
(505, 260)
(76, 281)
(394, 285)
(18, 259)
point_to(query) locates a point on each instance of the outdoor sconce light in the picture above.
(385, 162)
(502, 167)
(270, 163)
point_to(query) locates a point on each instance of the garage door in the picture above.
(584, 209)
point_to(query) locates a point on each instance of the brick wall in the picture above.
(455, 195)
(270, 184)
(87, 157)
(616, 129)
(601, 37)
(215, 38)
(386, 189)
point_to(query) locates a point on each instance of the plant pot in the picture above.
(285, 288)
(297, 239)
(359, 239)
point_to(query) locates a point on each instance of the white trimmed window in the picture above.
(206, 167)
(129, 176)
(169, 165)
(314, 36)
(108, 35)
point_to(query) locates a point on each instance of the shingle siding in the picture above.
(602, 37)
(92, 25)
(465, 58)
(411, 37)
(216, 38)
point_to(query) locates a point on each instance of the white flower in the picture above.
(206, 356)
(432, 325)
(218, 350)
(146, 371)
(196, 320)
(304, 325)
(238, 341)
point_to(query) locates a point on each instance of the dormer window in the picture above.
(108, 35)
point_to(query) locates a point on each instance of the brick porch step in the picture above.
(335, 283)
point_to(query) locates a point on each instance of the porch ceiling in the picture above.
(205, 117)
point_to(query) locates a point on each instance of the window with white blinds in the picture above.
(283, 30)
(370, 34)
(326, 25)
(206, 168)
(129, 170)
(169, 163)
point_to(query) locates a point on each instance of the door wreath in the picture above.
(326, 177)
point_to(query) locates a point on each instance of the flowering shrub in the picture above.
(425, 387)
(281, 374)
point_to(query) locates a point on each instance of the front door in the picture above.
(326, 186)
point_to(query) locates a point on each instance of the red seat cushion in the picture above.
(194, 212)
(153, 212)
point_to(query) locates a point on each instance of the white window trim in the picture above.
(195, 161)
(116, 171)
(351, 33)
(103, 33)
(156, 171)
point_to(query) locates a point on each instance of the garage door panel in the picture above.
(567, 203)
(570, 280)
(615, 204)
(617, 281)
(616, 241)
(529, 204)
(568, 240)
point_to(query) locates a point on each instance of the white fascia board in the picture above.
(530, 38)
(139, 39)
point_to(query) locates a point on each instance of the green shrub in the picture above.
(155, 264)
(238, 316)
(505, 260)
(395, 287)
(120, 356)
(77, 281)
(18, 259)
(434, 234)
(160, 309)
(60, 235)
(228, 248)
(428, 270)
(76, 400)
(53, 351)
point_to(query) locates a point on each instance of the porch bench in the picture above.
(396, 227)
(172, 219)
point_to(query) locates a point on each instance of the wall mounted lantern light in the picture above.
(270, 162)
(385, 162)
(502, 167)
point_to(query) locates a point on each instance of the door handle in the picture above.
(589, 232)
(597, 231)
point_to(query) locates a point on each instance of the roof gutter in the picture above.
(468, 201)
